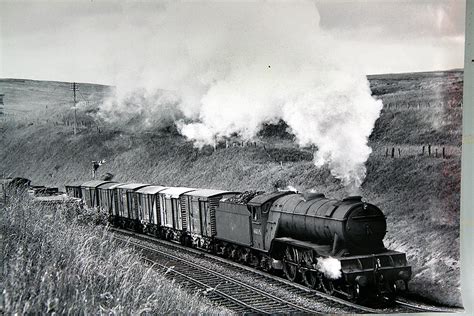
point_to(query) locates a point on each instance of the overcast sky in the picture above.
(74, 40)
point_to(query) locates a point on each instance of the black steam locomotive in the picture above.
(331, 245)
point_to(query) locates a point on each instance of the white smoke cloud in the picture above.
(235, 66)
(330, 267)
(288, 188)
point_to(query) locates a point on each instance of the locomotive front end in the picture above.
(337, 246)
(384, 274)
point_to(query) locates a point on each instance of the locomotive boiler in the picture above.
(350, 226)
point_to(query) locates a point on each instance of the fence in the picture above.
(421, 105)
(434, 151)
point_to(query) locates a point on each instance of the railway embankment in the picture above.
(409, 175)
(56, 261)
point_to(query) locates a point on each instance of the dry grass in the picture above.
(54, 261)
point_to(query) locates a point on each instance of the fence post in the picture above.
(386, 152)
(444, 154)
(436, 152)
(423, 152)
(429, 150)
(393, 152)
(399, 152)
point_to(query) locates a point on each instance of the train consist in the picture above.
(331, 245)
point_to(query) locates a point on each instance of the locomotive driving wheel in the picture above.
(310, 279)
(289, 264)
(266, 263)
(327, 286)
(254, 260)
(354, 293)
(243, 255)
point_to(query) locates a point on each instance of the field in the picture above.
(418, 188)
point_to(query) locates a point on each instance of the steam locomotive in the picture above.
(335, 246)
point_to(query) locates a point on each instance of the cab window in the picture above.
(255, 213)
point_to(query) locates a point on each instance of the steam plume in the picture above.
(235, 66)
(330, 267)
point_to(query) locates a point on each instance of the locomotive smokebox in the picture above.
(350, 225)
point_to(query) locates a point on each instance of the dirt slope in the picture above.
(418, 193)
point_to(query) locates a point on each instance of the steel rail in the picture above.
(419, 308)
(203, 285)
(265, 304)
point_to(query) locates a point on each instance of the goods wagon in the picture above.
(199, 212)
(113, 203)
(171, 212)
(89, 192)
(105, 192)
(74, 190)
(149, 212)
(126, 205)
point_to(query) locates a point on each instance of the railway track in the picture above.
(423, 308)
(214, 281)
(229, 292)
(340, 305)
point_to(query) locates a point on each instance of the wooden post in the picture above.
(436, 152)
(444, 153)
(423, 152)
(399, 152)
(393, 152)
(429, 150)
(386, 152)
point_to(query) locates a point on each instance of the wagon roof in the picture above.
(175, 192)
(264, 198)
(74, 184)
(208, 192)
(151, 189)
(107, 185)
(116, 185)
(132, 186)
(93, 183)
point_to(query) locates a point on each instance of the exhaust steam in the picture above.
(330, 267)
(233, 67)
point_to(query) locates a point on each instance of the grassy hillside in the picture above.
(418, 193)
(56, 261)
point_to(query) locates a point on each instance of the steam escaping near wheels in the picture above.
(330, 267)
(210, 77)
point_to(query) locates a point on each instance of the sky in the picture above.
(92, 41)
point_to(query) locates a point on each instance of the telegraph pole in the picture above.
(74, 88)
